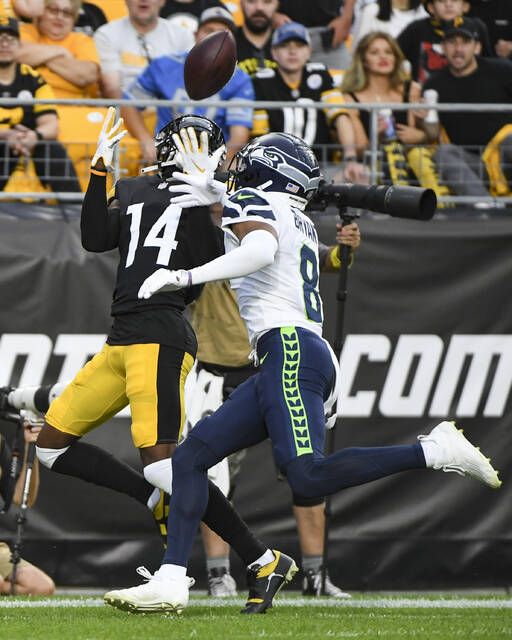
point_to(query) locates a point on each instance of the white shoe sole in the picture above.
(132, 607)
(473, 462)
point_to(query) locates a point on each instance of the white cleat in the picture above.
(154, 596)
(446, 448)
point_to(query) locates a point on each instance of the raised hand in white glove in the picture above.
(194, 158)
(111, 133)
(164, 280)
(197, 191)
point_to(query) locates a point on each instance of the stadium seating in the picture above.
(113, 9)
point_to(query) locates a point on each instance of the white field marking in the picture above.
(356, 603)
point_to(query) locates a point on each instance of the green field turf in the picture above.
(365, 616)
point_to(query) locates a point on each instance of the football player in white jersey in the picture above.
(272, 260)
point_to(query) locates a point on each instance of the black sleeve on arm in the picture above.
(99, 224)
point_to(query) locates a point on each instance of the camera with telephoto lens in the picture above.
(413, 203)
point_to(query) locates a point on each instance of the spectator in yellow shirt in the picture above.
(67, 60)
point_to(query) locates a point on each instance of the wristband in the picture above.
(334, 255)
(96, 172)
(350, 159)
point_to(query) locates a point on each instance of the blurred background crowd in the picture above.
(335, 53)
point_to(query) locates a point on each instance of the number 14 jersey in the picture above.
(150, 233)
(284, 293)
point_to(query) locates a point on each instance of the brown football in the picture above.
(210, 64)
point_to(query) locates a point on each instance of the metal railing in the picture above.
(373, 153)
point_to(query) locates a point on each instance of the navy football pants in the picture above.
(284, 401)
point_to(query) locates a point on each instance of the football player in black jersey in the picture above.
(296, 79)
(151, 346)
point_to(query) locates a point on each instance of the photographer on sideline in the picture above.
(29, 579)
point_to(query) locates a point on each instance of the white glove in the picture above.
(111, 133)
(164, 280)
(194, 158)
(198, 190)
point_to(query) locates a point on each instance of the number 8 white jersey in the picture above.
(284, 293)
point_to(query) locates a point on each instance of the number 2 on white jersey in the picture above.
(162, 234)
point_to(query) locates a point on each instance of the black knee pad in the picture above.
(301, 501)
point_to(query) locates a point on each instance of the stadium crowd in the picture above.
(333, 51)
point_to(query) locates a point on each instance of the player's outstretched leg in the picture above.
(445, 448)
(265, 581)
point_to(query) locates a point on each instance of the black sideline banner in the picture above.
(428, 337)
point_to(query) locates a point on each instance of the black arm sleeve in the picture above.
(99, 225)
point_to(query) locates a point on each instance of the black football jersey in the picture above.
(303, 121)
(153, 234)
(27, 83)
(250, 58)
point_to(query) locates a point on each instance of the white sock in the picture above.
(159, 474)
(171, 572)
(153, 499)
(430, 451)
(267, 557)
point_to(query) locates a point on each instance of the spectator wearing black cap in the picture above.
(329, 23)
(497, 16)
(29, 131)
(296, 79)
(421, 40)
(470, 79)
(163, 79)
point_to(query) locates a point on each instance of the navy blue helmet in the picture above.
(166, 149)
(278, 162)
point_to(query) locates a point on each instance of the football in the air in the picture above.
(210, 64)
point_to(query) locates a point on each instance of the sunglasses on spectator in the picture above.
(65, 13)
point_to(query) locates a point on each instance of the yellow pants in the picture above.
(148, 377)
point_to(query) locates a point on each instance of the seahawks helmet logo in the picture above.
(284, 164)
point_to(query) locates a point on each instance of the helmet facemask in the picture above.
(166, 151)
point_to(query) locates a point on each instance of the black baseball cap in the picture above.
(9, 25)
(465, 27)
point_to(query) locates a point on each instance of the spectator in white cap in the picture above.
(186, 13)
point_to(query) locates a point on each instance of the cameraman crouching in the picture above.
(29, 579)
